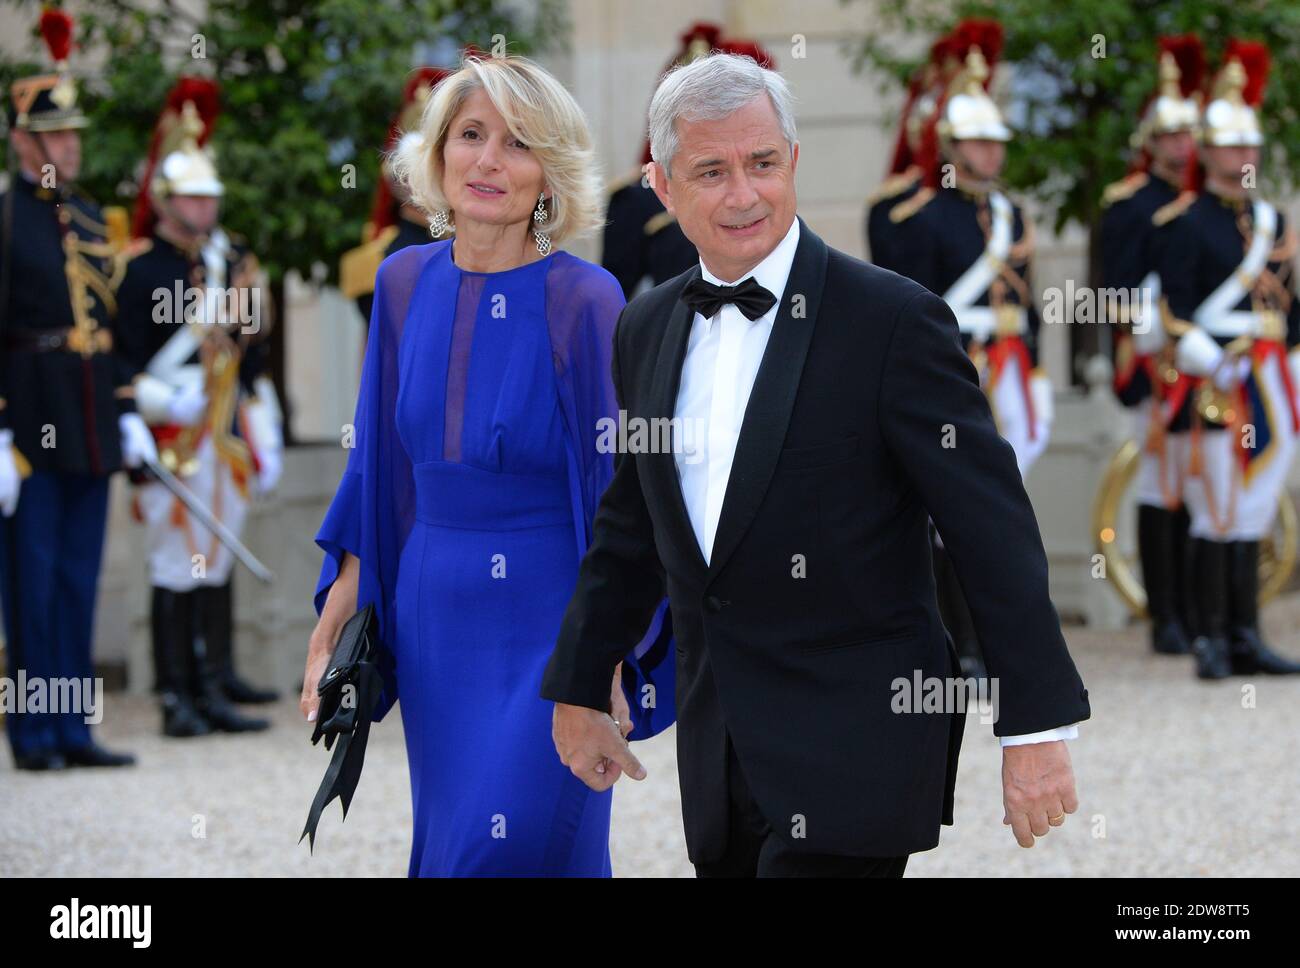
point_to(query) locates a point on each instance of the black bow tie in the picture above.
(749, 297)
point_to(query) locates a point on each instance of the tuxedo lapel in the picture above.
(767, 415)
(663, 403)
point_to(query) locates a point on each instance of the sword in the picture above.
(209, 520)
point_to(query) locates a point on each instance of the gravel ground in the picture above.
(1177, 778)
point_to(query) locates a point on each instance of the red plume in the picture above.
(747, 48)
(1189, 55)
(700, 30)
(712, 35)
(941, 51)
(1255, 59)
(56, 29)
(206, 95)
(982, 33)
(383, 208)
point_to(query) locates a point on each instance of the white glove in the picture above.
(1148, 335)
(266, 436)
(1040, 394)
(137, 442)
(10, 480)
(271, 461)
(187, 405)
(1197, 354)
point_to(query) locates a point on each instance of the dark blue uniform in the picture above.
(1232, 507)
(1129, 245)
(642, 239)
(880, 229)
(63, 387)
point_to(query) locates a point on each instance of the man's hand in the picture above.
(1037, 789)
(592, 747)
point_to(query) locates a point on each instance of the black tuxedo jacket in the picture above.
(865, 418)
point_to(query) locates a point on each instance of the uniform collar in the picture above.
(35, 189)
(188, 249)
(772, 273)
(1235, 204)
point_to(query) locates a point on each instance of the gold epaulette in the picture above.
(358, 267)
(1124, 188)
(910, 206)
(657, 222)
(1167, 213)
(895, 185)
(618, 184)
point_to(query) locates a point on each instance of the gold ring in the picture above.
(1056, 820)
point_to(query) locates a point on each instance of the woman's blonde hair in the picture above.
(539, 111)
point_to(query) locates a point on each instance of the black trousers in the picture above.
(753, 850)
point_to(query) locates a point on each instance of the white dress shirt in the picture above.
(722, 359)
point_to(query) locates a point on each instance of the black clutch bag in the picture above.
(348, 692)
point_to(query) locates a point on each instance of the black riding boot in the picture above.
(1250, 655)
(209, 686)
(218, 613)
(172, 617)
(956, 616)
(1160, 545)
(1210, 567)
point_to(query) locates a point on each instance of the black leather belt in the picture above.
(58, 338)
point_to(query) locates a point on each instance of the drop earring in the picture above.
(438, 224)
(541, 216)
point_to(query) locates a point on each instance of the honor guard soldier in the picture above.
(1226, 272)
(193, 328)
(916, 133)
(394, 222)
(67, 420)
(642, 240)
(962, 238)
(1165, 142)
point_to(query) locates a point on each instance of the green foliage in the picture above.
(308, 86)
(1073, 111)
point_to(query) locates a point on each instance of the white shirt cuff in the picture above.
(1046, 736)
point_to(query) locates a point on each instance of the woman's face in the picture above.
(488, 175)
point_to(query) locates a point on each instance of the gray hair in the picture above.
(710, 89)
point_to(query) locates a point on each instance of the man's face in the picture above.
(1227, 163)
(982, 157)
(1173, 149)
(199, 212)
(62, 149)
(732, 187)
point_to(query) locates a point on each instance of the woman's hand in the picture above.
(618, 707)
(339, 607)
(319, 651)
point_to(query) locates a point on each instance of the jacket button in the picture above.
(713, 604)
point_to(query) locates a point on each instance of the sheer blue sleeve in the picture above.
(373, 510)
(583, 306)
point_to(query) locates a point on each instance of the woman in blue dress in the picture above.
(473, 476)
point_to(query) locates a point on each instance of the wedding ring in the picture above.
(1056, 821)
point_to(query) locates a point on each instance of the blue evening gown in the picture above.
(474, 499)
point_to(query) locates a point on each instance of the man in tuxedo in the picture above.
(838, 414)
